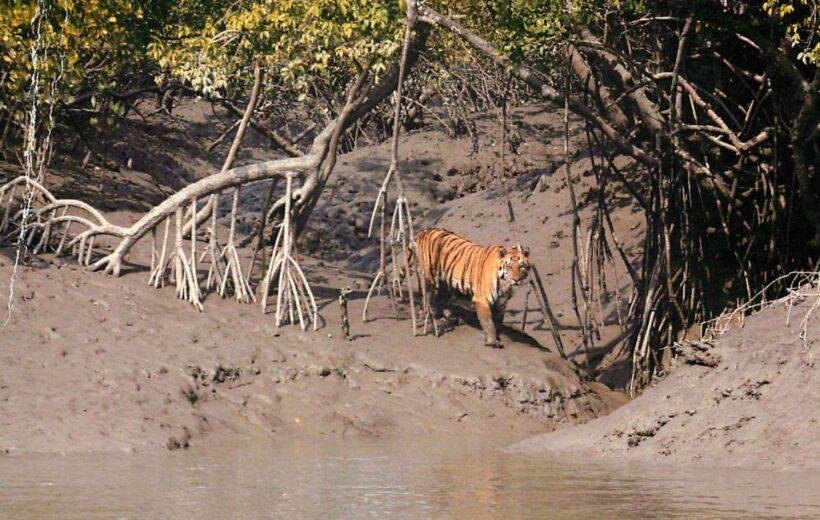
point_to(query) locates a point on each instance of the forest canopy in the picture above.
(108, 51)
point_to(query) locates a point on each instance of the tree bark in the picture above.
(584, 73)
(651, 117)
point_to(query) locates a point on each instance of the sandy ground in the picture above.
(757, 407)
(449, 185)
(94, 363)
(91, 363)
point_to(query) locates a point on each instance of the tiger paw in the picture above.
(494, 344)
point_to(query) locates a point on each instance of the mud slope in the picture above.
(90, 362)
(757, 407)
(450, 182)
(450, 185)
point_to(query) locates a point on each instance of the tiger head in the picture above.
(513, 265)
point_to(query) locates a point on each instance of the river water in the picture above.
(404, 478)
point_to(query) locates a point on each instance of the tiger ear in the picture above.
(502, 252)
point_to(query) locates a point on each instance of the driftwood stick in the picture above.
(546, 309)
(345, 291)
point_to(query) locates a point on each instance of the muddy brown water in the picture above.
(405, 478)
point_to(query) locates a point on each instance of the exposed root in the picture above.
(51, 216)
(158, 261)
(11, 188)
(293, 291)
(212, 206)
(184, 270)
(233, 269)
(401, 226)
(211, 253)
(380, 280)
(402, 236)
(374, 286)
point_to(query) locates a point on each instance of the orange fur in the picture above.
(451, 262)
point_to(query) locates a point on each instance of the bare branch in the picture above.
(523, 73)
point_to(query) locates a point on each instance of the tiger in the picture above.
(487, 275)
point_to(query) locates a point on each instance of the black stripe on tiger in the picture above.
(487, 275)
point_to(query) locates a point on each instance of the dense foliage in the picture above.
(300, 42)
(94, 47)
(108, 48)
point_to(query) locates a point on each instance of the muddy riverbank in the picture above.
(750, 400)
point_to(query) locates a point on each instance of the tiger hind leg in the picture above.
(438, 300)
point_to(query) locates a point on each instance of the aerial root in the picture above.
(45, 236)
(395, 280)
(380, 280)
(233, 269)
(401, 237)
(211, 253)
(184, 270)
(61, 245)
(172, 261)
(12, 189)
(51, 213)
(159, 266)
(374, 286)
(294, 298)
(401, 231)
(52, 220)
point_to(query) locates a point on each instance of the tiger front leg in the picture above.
(498, 317)
(487, 321)
(429, 308)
